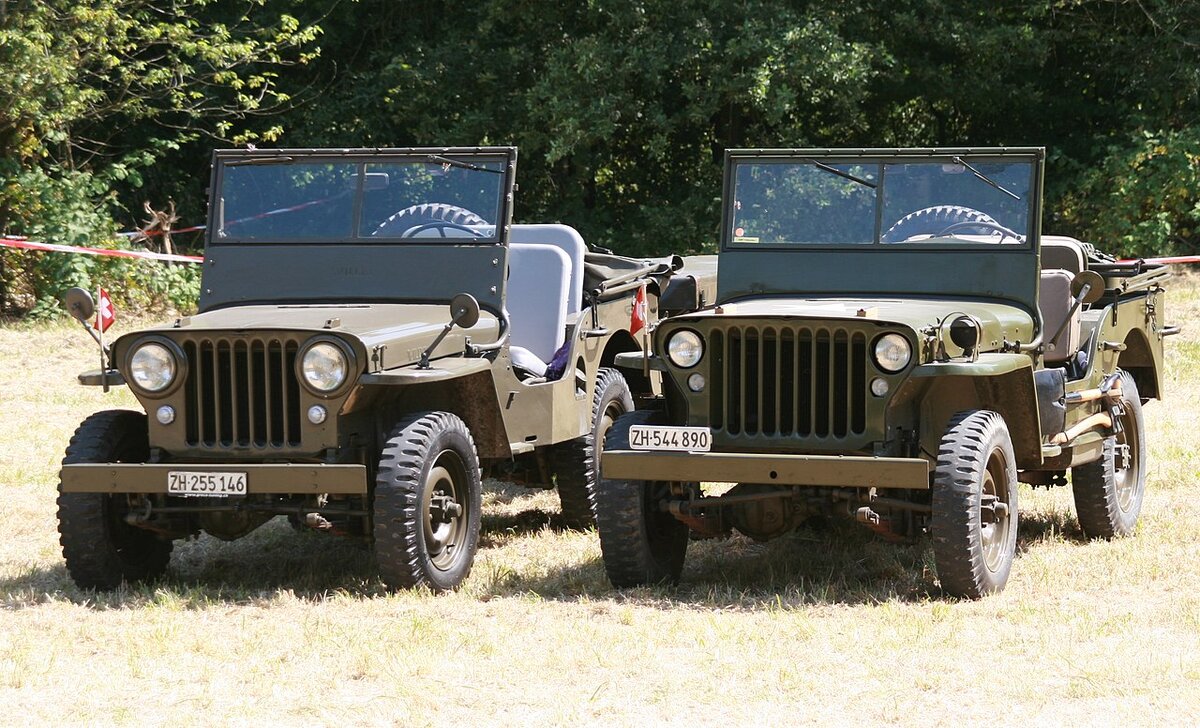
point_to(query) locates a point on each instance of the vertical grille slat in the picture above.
(242, 393)
(790, 381)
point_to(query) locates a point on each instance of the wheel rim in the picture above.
(1126, 448)
(995, 517)
(446, 513)
(610, 414)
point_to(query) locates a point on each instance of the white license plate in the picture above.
(201, 483)
(679, 439)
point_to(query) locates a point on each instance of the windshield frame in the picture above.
(223, 158)
(883, 157)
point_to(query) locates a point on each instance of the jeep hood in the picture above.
(402, 330)
(999, 321)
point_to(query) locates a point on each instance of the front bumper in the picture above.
(819, 470)
(289, 478)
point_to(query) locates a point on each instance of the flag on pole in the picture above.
(637, 321)
(105, 315)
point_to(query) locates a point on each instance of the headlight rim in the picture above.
(347, 353)
(678, 332)
(875, 353)
(181, 366)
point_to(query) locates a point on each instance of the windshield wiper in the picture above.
(436, 159)
(985, 178)
(259, 160)
(840, 173)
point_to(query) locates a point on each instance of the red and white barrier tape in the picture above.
(26, 244)
(10, 242)
(1168, 260)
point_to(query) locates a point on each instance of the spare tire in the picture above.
(933, 220)
(424, 214)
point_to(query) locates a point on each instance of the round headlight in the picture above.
(152, 367)
(324, 367)
(685, 348)
(892, 352)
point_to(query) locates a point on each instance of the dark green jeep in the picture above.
(373, 336)
(893, 338)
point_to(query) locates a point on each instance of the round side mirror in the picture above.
(464, 310)
(1088, 278)
(79, 304)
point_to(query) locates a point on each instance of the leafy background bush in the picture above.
(621, 108)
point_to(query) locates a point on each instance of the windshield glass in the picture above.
(309, 200)
(961, 200)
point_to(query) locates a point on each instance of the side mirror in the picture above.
(464, 310)
(1094, 282)
(79, 304)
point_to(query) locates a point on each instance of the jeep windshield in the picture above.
(958, 200)
(422, 197)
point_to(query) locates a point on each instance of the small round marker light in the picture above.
(879, 387)
(696, 382)
(165, 414)
(317, 414)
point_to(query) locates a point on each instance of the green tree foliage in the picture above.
(95, 91)
(621, 108)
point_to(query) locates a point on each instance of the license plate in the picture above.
(678, 439)
(201, 483)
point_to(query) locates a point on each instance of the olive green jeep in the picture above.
(373, 337)
(894, 339)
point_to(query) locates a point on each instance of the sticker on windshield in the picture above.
(744, 239)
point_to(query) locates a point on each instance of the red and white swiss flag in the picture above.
(104, 312)
(637, 321)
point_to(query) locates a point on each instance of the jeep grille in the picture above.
(242, 392)
(805, 381)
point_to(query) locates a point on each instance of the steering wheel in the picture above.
(984, 224)
(441, 226)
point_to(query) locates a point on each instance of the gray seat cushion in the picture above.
(539, 279)
(569, 241)
(1054, 300)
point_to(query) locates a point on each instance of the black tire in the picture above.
(576, 464)
(421, 537)
(1108, 498)
(100, 548)
(974, 545)
(639, 543)
(933, 220)
(428, 213)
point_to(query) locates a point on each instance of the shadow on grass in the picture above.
(273, 560)
(835, 562)
(839, 563)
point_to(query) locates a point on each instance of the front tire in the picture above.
(974, 521)
(639, 543)
(1109, 492)
(428, 503)
(576, 464)
(100, 548)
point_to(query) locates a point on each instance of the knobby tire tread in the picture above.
(398, 516)
(1093, 484)
(963, 455)
(576, 472)
(621, 520)
(94, 558)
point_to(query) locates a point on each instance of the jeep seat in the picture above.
(539, 281)
(570, 241)
(1062, 252)
(1054, 301)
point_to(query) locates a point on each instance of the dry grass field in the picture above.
(827, 626)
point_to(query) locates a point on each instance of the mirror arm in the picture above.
(424, 363)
